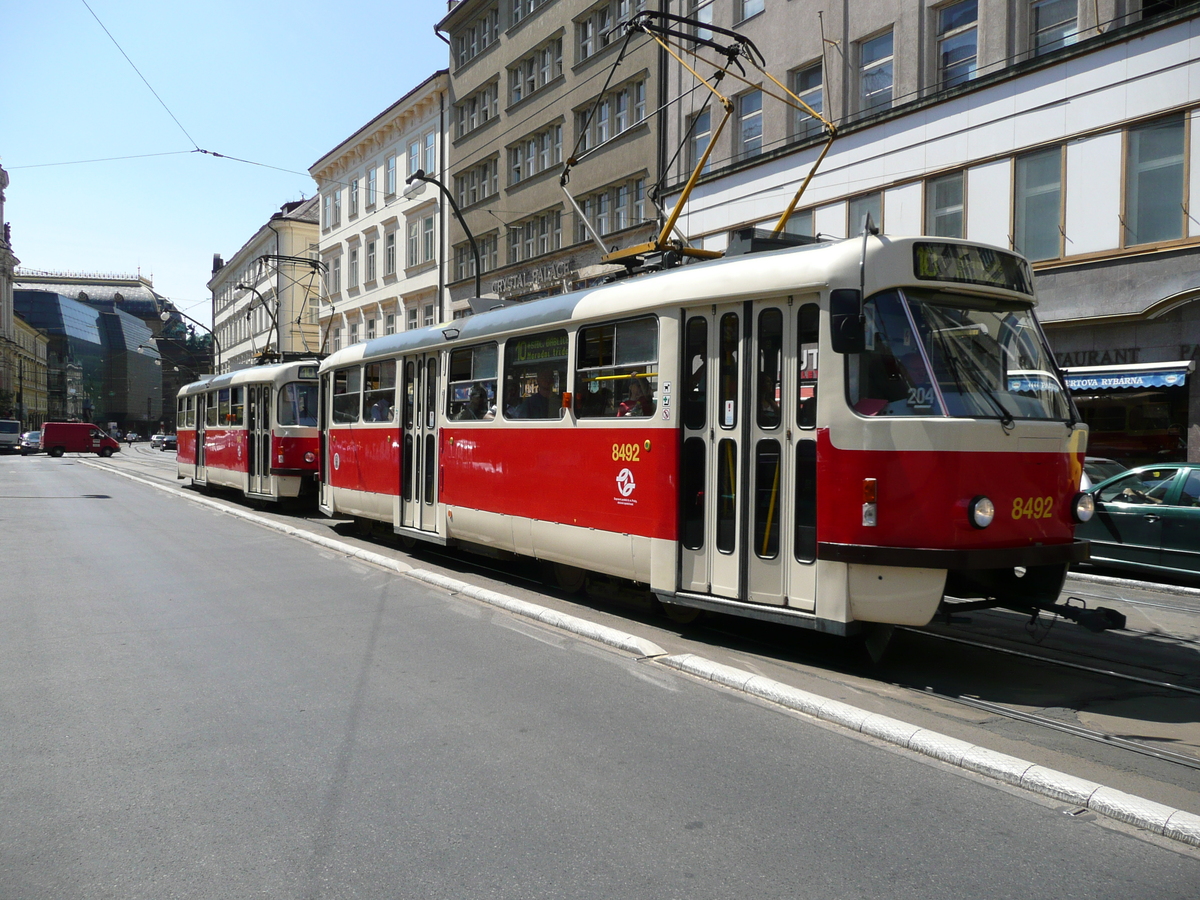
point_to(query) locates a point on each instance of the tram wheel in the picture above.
(408, 542)
(875, 640)
(681, 615)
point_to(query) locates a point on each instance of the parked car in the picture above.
(1148, 519)
(1097, 469)
(76, 437)
(169, 443)
(31, 442)
(10, 434)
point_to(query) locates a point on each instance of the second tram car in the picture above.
(839, 433)
(254, 430)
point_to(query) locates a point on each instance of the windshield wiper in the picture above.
(980, 380)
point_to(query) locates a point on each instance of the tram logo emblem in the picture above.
(337, 461)
(625, 484)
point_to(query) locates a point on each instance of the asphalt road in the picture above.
(193, 706)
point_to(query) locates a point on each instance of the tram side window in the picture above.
(347, 395)
(616, 372)
(535, 373)
(223, 415)
(190, 412)
(298, 404)
(808, 337)
(695, 378)
(770, 368)
(210, 410)
(472, 383)
(237, 407)
(890, 378)
(379, 396)
(727, 372)
(181, 413)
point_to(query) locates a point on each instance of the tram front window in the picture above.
(298, 404)
(987, 358)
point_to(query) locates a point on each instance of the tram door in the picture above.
(258, 436)
(418, 442)
(202, 403)
(748, 515)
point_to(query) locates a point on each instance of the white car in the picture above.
(156, 441)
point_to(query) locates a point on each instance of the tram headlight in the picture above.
(310, 457)
(1084, 507)
(981, 511)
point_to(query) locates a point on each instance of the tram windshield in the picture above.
(298, 404)
(931, 353)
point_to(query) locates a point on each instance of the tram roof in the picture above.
(250, 375)
(795, 270)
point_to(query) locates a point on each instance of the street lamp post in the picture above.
(165, 315)
(420, 175)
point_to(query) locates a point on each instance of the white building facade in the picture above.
(383, 243)
(1067, 130)
(265, 297)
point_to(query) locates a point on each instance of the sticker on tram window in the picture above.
(1032, 507)
(625, 453)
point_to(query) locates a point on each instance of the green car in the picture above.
(1148, 519)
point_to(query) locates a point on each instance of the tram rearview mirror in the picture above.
(845, 321)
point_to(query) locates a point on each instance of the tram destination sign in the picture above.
(964, 264)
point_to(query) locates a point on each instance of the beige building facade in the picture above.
(383, 243)
(533, 85)
(265, 297)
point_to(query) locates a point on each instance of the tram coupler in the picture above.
(1095, 620)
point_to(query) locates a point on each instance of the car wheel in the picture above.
(106, 452)
(56, 452)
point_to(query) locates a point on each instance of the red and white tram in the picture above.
(254, 430)
(830, 434)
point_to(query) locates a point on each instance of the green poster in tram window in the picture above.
(542, 348)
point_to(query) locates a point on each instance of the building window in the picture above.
(390, 180)
(1154, 182)
(1038, 202)
(523, 8)
(539, 234)
(412, 319)
(613, 208)
(464, 258)
(371, 187)
(352, 269)
(479, 183)
(534, 72)
(389, 254)
(748, 8)
(335, 275)
(944, 206)
(615, 112)
(337, 339)
(800, 222)
(337, 207)
(1053, 24)
(478, 109)
(414, 158)
(428, 315)
(430, 154)
(427, 243)
(860, 206)
(353, 198)
(750, 133)
(414, 243)
(535, 153)
(390, 324)
(327, 212)
(875, 74)
(958, 42)
(370, 261)
(807, 84)
(701, 135)
(370, 329)
(477, 36)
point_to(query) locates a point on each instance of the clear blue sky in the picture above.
(276, 83)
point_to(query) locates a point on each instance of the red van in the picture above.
(76, 437)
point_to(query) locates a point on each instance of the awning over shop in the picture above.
(1137, 375)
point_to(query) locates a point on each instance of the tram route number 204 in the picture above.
(1032, 507)
(625, 452)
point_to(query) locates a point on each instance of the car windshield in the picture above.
(931, 353)
(10, 427)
